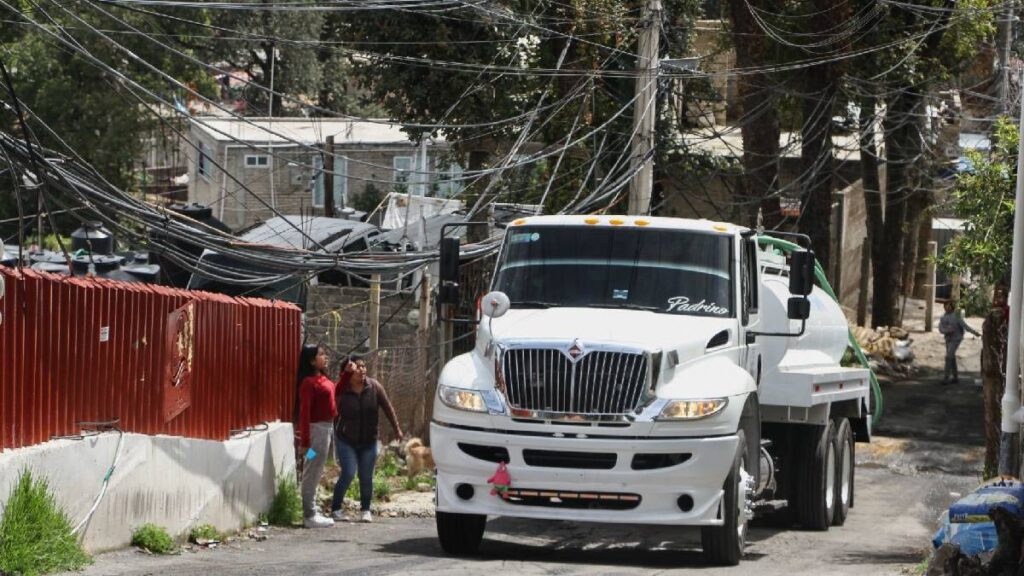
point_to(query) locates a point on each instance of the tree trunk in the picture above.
(816, 162)
(901, 144)
(758, 191)
(873, 202)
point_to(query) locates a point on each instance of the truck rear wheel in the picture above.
(815, 492)
(845, 462)
(723, 545)
(460, 534)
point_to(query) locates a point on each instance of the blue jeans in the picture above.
(352, 459)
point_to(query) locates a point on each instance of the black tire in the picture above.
(723, 545)
(460, 534)
(845, 464)
(815, 477)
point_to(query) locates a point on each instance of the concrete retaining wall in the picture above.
(170, 481)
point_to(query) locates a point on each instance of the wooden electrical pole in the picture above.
(329, 177)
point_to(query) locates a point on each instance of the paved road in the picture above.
(928, 449)
(884, 534)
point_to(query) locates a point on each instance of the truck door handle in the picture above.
(751, 337)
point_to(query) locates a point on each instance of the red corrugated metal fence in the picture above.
(76, 349)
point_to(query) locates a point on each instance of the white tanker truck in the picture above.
(648, 371)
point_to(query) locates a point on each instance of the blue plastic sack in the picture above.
(972, 537)
(974, 507)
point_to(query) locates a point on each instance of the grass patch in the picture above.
(205, 532)
(286, 510)
(381, 489)
(155, 539)
(388, 465)
(412, 483)
(35, 534)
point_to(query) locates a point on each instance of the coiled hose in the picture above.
(819, 274)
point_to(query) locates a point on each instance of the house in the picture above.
(246, 168)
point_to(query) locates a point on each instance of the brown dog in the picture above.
(418, 458)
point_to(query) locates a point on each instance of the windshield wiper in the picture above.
(532, 304)
(627, 306)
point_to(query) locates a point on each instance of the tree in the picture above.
(984, 198)
(760, 125)
(69, 97)
(927, 48)
(267, 42)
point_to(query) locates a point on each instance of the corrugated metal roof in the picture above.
(308, 131)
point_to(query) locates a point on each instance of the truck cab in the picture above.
(619, 374)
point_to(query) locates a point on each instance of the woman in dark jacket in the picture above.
(356, 435)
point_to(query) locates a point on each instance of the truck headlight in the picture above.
(692, 409)
(462, 399)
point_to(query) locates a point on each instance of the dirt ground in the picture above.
(925, 454)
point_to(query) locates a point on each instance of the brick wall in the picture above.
(339, 318)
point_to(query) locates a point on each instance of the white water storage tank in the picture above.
(824, 341)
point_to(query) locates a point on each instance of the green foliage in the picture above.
(286, 509)
(369, 199)
(35, 535)
(381, 488)
(412, 483)
(204, 532)
(388, 465)
(984, 198)
(155, 539)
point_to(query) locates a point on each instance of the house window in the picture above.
(448, 180)
(340, 181)
(403, 166)
(257, 161)
(204, 167)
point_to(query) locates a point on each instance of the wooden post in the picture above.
(929, 303)
(425, 303)
(864, 284)
(954, 292)
(375, 320)
(329, 180)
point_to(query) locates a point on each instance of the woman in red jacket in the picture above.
(316, 427)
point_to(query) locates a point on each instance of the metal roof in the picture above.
(332, 233)
(307, 131)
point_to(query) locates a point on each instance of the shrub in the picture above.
(35, 535)
(155, 539)
(388, 465)
(412, 483)
(286, 510)
(204, 532)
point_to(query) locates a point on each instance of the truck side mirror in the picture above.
(801, 273)
(448, 291)
(798, 308)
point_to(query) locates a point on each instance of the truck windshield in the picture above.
(667, 271)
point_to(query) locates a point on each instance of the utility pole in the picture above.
(329, 177)
(1004, 40)
(1011, 394)
(270, 126)
(644, 110)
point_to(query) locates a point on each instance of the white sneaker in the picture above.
(318, 521)
(340, 516)
(366, 516)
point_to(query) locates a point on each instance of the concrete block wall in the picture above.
(339, 317)
(171, 481)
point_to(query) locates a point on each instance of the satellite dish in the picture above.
(494, 304)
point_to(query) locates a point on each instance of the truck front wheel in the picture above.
(723, 545)
(460, 534)
(815, 474)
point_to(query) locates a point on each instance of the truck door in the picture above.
(750, 298)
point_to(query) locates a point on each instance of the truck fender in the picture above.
(750, 424)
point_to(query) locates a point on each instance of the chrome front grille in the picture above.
(598, 383)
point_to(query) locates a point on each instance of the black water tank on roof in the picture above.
(103, 263)
(92, 237)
